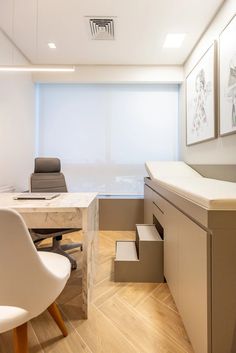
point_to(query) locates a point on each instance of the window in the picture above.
(103, 134)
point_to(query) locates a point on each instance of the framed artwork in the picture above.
(200, 99)
(227, 78)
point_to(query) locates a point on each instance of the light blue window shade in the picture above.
(103, 134)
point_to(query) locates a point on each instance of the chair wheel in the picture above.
(73, 265)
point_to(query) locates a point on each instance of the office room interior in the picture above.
(118, 176)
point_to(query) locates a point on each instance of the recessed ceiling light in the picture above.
(174, 40)
(52, 45)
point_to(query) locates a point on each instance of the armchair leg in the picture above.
(56, 315)
(20, 339)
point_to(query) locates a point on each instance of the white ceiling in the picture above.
(140, 29)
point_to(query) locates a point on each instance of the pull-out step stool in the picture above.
(140, 260)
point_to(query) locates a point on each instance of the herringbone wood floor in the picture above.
(124, 317)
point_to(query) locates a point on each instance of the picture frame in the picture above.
(227, 79)
(201, 99)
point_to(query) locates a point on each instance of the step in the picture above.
(126, 251)
(148, 240)
(126, 264)
(148, 232)
(140, 260)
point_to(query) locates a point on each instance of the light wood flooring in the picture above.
(124, 317)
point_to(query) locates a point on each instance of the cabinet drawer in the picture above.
(158, 213)
(158, 201)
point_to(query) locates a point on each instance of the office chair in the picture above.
(30, 280)
(47, 177)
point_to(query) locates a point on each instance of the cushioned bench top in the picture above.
(161, 170)
(186, 182)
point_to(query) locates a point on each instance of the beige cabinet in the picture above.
(186, 268)
(199, 265)
(193, 282)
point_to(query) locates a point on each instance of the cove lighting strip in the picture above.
(36, 69)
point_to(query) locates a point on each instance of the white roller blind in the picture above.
(103, 134)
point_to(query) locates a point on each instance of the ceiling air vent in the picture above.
(102, 28)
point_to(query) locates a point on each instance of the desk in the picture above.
(68, 210)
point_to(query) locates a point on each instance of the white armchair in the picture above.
(30, 281)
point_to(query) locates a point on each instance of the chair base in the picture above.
(60, 249)
(72, 246)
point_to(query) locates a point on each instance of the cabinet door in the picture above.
(171, 248)
(187, 271)
(193, 277)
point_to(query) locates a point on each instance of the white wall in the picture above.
(17, 135)
(221, 150)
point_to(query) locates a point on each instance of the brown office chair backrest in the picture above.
(47, 176)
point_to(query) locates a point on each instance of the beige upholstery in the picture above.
(47, 177)
(30, 280)
(165, 169)
(178, 177)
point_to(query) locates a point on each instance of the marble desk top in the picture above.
(65, 202)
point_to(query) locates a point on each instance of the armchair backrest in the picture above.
(47, 176)
(22, 273)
